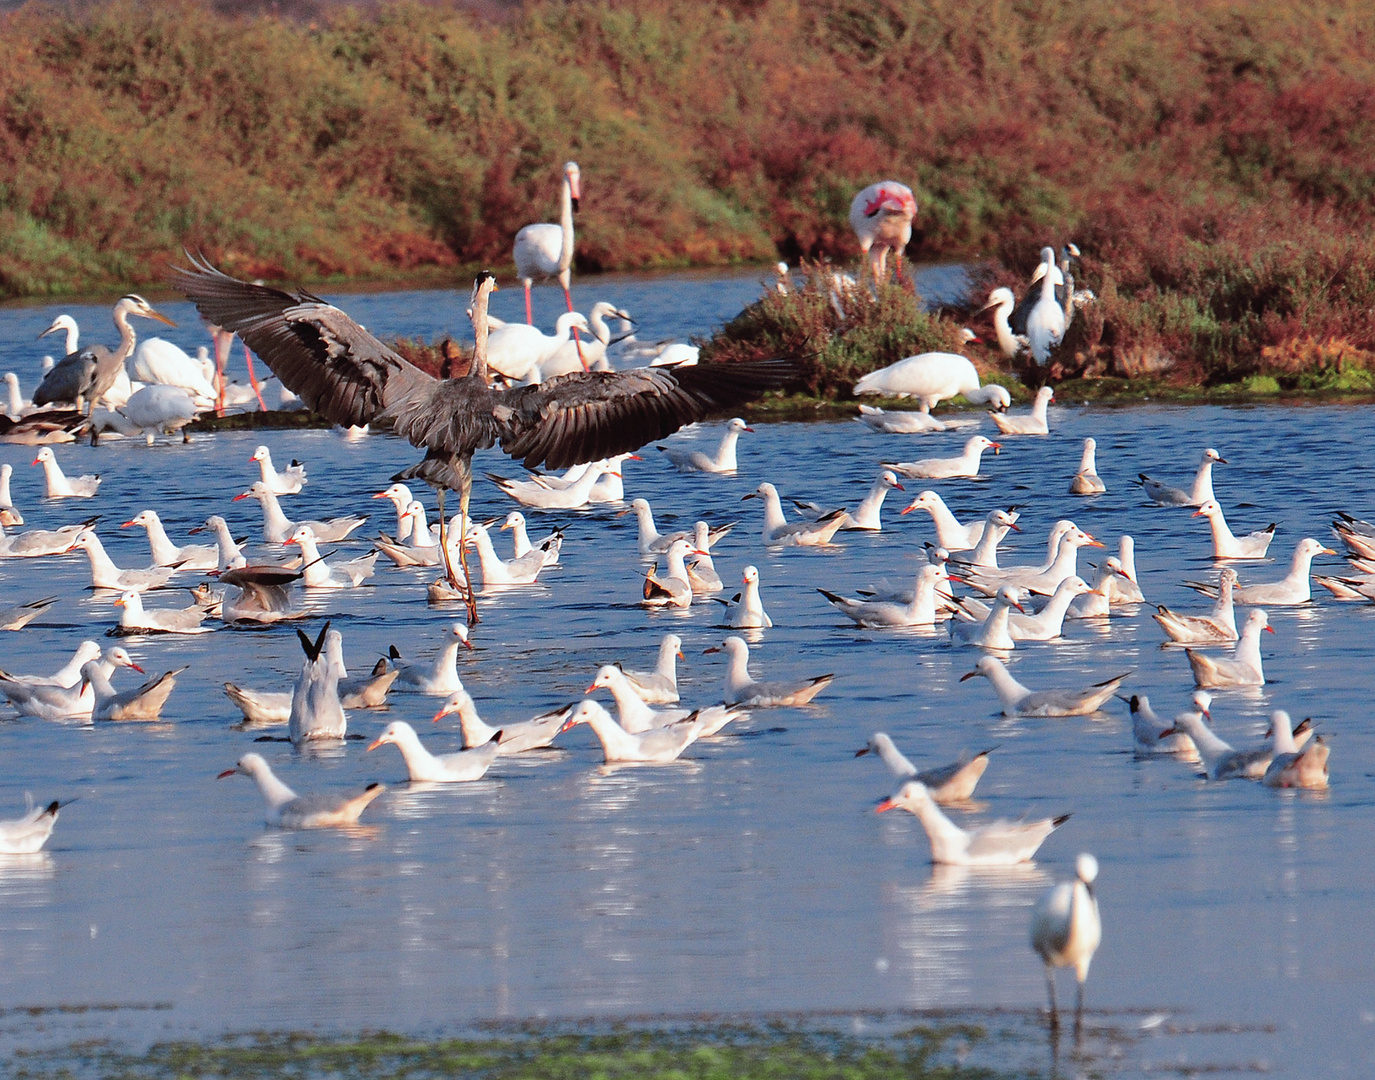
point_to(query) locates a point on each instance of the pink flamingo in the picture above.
(881, 216)
(544, 250)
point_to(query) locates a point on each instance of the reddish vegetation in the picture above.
(1212, 159)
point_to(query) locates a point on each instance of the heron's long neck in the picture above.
(73, 338)
(127, 338)
(16, 407)
(5, 499)
(478, 369)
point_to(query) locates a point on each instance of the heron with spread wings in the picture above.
(350, 378)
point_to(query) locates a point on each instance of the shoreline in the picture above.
(801, 407)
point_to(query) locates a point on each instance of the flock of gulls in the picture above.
(574, 433)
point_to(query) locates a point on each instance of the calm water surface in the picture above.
(755, 875)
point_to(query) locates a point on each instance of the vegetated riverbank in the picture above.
(1211, 159)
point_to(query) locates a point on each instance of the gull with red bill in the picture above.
(61, 486)
(141, 703)
(287, 810)
(999, 843)
(511, 738)
(1294, 588)
(657, 746)
(166, 553)
(992, 632)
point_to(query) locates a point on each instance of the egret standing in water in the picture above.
(1065, 932)
(349, 377)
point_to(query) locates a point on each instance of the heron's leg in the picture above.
(529, 315)
(444, 541)
(463, 541)
(1054, 1010)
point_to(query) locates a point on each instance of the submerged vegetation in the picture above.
(718, 1052)
(1211, 159)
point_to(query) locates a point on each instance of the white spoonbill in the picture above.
(519, 352)
(1066, 931)
(881, 216)
(932, 378)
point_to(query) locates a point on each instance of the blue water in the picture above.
(753, 876)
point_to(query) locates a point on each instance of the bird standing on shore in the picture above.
(1066, 930)
(351, 378)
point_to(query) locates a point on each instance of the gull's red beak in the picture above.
(227, 772)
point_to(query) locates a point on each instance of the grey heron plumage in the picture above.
(351, 378)
(86, 374)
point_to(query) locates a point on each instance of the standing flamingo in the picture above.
(881, 216)
(545, 251)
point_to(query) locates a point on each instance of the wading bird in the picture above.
(350, 377)
(545, 251)
(85, 375)
(881, 216)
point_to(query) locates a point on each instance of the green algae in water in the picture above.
(744, 1052)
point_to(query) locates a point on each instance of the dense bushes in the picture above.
(1211, 159)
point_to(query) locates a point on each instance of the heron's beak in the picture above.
(227, 772)
(151, 314)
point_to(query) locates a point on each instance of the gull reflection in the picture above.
(936, 930)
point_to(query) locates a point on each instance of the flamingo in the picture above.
(546, 251)
(881, 216)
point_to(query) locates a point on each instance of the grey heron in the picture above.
(349, 377)
(86, 374)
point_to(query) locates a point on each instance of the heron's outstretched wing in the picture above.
(591, 415)
(337, 367)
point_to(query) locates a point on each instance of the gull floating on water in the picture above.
(723, 461)
(900, 422)
(950, 534)
(106, 575)
(287, 482)
(953, 783)
(318, 574)
(660, 686)
(439, 676)
(277, 527)
(1147, 727)
(656, 746)
(1302, 767)
(966, 465)
(20, 615)
(263, 594)
(1066, 930)
(992, 632)
(1220, 760)
(28, 834)
(141, 703)
(1219, 626)
(1201, 492)
(260, 707)
(1087, 481)
(287, 810)
(512, 738)
(1000, 843)
(316, 711)
(74, 700)
(1243, 667)
(425, 767)
(134, 618)
(1035, 423)
(749, 613)
(922, 610)
(166, 553)
(1046, 625)
(778, 531)
(1225, 544)
(1018, 700)
(60, 486)
(672, 588)
(701, 568)
(1294, 588)
(741, 689)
